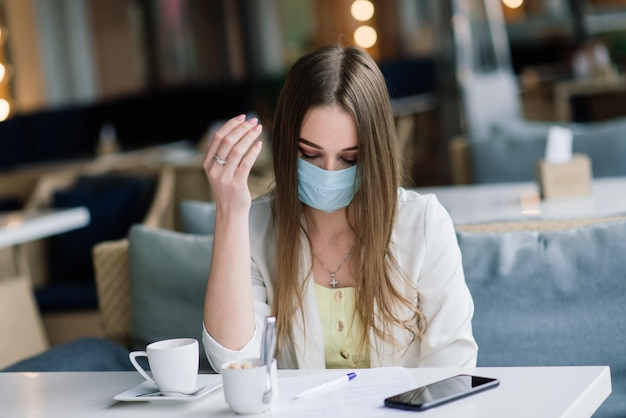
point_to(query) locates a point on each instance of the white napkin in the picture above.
(559, 145)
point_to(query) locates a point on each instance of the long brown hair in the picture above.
(348, 77)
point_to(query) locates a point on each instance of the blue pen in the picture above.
(328, 385)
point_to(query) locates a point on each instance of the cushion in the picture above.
(551, 299)
(492, 160)
(197, 216)
(9, 203)
(115, 202)
(500, 159)
(82, 355)
(168, 275)
(63, 297)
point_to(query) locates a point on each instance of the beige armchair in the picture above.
(30, 261)
(113, 284)
(23, 330)
(111, 259)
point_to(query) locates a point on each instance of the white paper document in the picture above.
(362, 397)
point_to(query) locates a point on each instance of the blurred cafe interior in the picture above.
(108, 105)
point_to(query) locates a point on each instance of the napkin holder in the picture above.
(568, 179)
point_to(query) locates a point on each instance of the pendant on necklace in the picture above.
(333, 281)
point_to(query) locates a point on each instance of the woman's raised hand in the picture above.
(228, 314)
(231, 154)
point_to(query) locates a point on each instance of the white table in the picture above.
(22, 226)
(520, 201)
(523, 392)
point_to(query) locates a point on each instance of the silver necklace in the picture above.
(333, 280)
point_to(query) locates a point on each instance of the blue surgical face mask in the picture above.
(325, 190)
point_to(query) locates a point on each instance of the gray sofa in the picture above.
(513, 146)
(546, 293)
(550, 297)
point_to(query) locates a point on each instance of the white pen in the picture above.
(328, 385)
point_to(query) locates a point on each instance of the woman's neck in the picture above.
(328, 227)
(332, 243)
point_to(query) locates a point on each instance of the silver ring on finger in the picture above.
(219, 160)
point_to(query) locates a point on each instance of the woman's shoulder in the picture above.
(412, 198)
(261, 210)
(414, 205)
(264, 200)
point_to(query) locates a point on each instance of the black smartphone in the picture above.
(441, 392)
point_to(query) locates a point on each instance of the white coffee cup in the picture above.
(244, 388)
(174, 364)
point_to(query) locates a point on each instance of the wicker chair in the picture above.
(536, 225)
(66, 326)
(111, 264)
(110, 259)
(113, 284)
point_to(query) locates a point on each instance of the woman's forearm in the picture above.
(229, 307)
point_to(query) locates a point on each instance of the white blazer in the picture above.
(425, 247)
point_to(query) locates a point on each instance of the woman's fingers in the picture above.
(236, 135)
(245, 166)
(231, 154)
(211, 156)
(240, 148)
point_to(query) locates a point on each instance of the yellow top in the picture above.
(341, 329)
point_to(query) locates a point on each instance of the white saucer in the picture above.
(133, 395)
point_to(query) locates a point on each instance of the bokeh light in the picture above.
(365, 36)
(513, 4)
(5, 109)
(362, 10)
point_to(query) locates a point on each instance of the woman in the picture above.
(358, 271)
